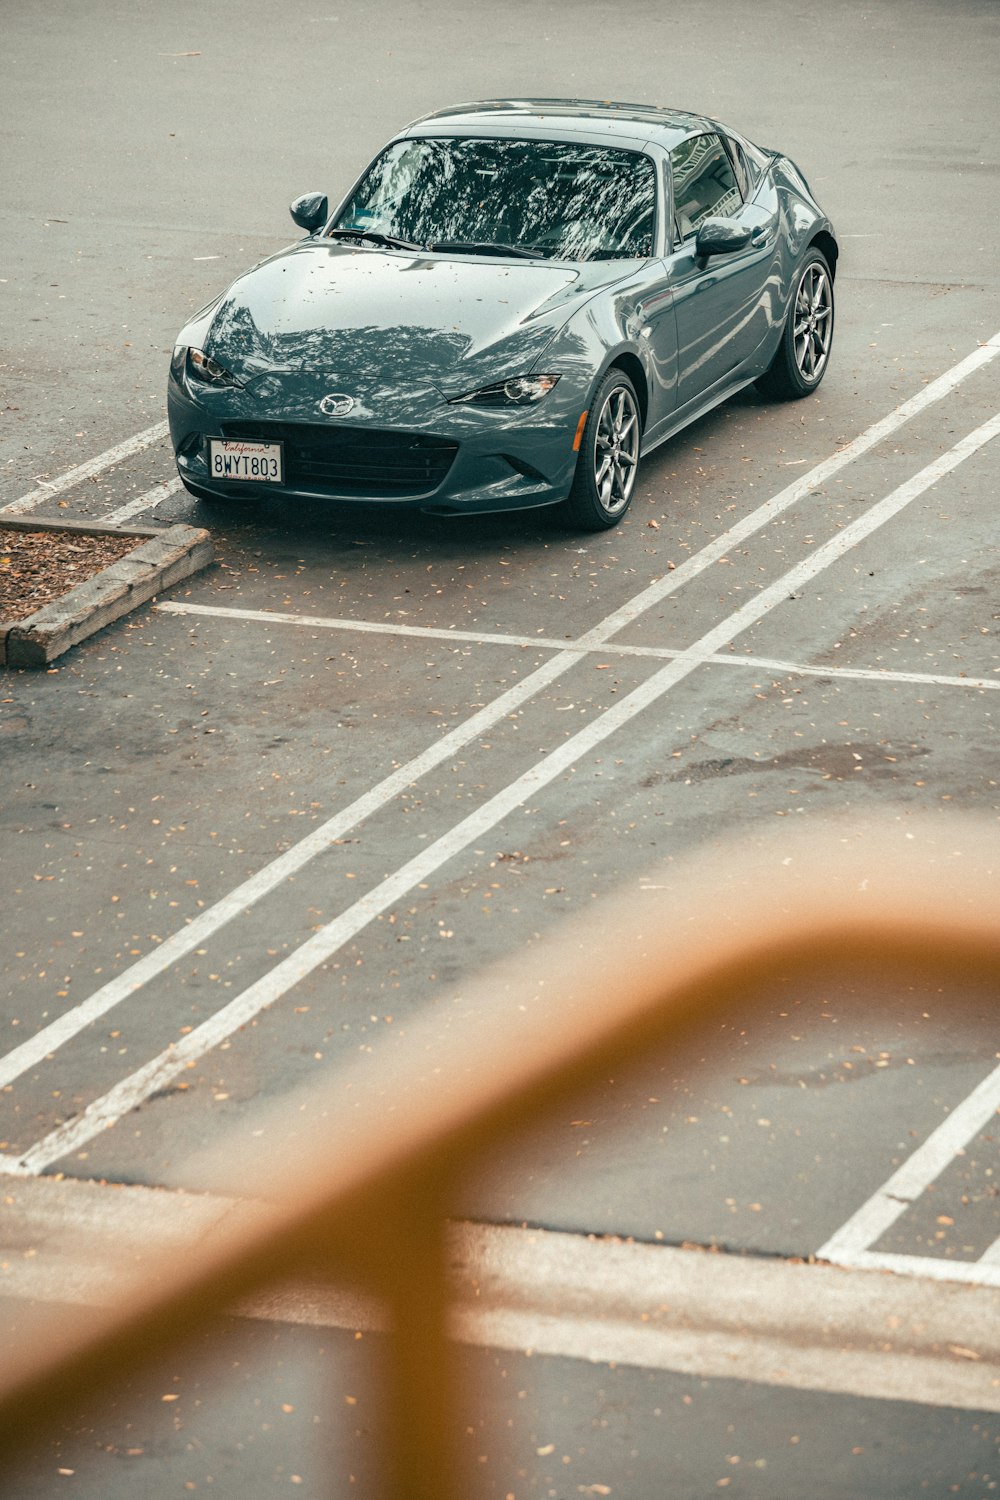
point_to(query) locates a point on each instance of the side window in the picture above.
(704, 184)
(739, 162)
(750, 160)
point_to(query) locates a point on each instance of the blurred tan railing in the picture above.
(361, 1168)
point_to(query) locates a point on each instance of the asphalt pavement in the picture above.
(307, 795)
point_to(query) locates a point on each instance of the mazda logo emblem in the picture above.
(336, 404)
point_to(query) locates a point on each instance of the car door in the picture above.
(722, 305)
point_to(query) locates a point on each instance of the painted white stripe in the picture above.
(105, 1111)
(136, 1088)
(933, 392)
(916, 1174)
(983, 1272)
(141, 503)
(875, 516)
(992, 1256)
(801, 488)
(107, 460)
(382, 627)
(860, 674)
(546, 643)
(48, 1039)
(35, 1049)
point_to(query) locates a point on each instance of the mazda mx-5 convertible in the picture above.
(514, 303)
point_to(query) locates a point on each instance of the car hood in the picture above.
(364, 322)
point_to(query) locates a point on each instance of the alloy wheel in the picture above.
(813, 322)
(616, 450)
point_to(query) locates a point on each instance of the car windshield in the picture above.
(565, 200)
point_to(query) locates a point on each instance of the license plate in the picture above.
(242, 459)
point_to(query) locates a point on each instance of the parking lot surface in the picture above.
(264, 824)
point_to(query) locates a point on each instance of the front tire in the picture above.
(606, 469)
(804, 352)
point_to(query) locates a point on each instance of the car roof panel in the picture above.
(593, 119)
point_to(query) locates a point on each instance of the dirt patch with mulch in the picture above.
(37, 567)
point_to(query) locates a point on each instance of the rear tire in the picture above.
(804, 352)
(608, 463)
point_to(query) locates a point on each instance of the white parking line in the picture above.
(37, 1048)
(802, 487)
(982, 1272)
(141, 503)
(136, 1088)
(46, 1041)
(82, 472)
(246, 895)
(850, 1245)
(547, 643)
(934, 391)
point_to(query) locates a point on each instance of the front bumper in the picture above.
(461, 459)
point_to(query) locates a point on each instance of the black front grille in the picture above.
(354, 460)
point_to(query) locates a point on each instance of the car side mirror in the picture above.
(310, 211)
(720, 237)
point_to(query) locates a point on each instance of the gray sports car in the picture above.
(514, 303)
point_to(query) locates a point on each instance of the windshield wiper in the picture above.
(484, 247)
(374, 236)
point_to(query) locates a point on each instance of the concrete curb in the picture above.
(807, 1326)
(162, 557)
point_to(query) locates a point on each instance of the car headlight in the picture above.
(523, 390)
(200, 368)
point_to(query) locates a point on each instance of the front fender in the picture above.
(616, 330)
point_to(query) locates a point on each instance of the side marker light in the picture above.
(579, 432)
